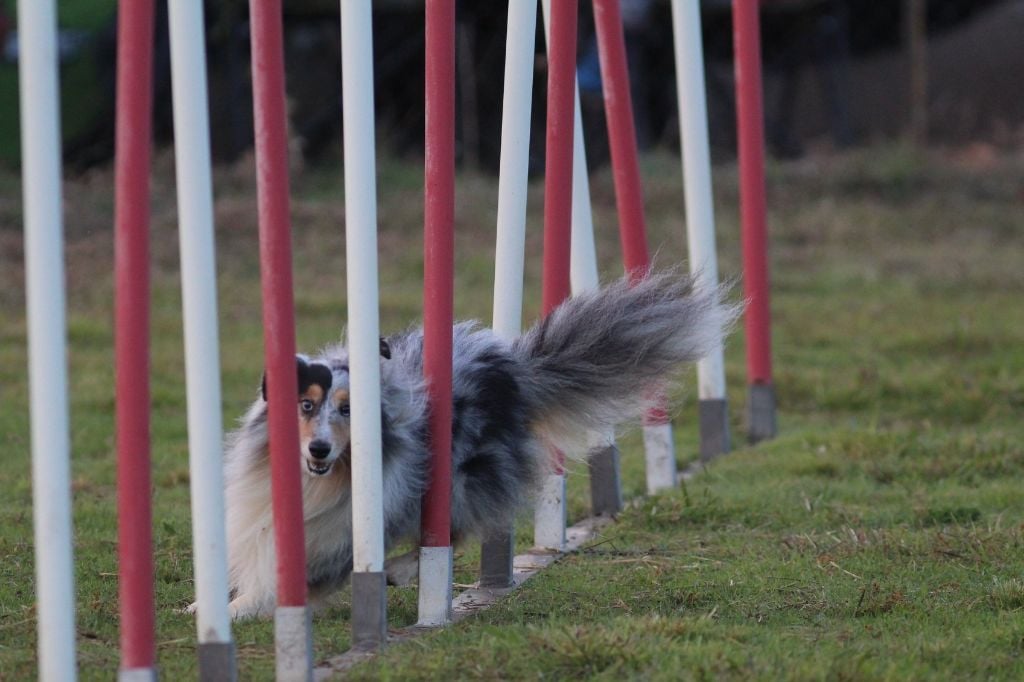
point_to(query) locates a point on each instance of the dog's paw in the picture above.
(238, 611)
(403, 569)
(190, 609)
(246, 607)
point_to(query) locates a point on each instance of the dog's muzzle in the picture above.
(317, 463)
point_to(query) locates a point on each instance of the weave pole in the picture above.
(435, 593)
(131, 340)
(603, 456)
(292, 625)
(369, 586)
(750, 123)
(497, 550)
(202, 363)
(583, 274)
(47, 339)
(550, 514)
(700, 213)
(658, 442)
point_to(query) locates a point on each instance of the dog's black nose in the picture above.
(319, 449)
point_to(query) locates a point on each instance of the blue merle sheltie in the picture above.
(591, 365)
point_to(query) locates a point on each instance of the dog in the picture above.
(594, 363)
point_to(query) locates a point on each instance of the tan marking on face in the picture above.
(340, 397)
(315, 393)
(306, 425)
(340, 429)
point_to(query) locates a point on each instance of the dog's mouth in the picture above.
(318, 468)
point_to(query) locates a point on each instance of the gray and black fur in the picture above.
(593, 364)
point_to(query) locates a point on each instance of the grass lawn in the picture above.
(880, 536)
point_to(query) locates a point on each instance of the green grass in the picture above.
(880, 536)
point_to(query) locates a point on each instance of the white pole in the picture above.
(693, 129)
(583, 254)
(513, 174)
(605, 482)
(199, 301)
(363, 322)
(47, 334)
(700, 217)
(497, 551)
(369, 621)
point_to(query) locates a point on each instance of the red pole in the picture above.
(750, 121)
(558, 154)
(131, 334)
(438, 264)
(558, 148)
(629, 198)
(278, 304)
(622, 137)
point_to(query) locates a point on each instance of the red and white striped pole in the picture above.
(292, 628)
(39, 101)
(435, 591)
(549, 518)
(131, 339)
(750, 122)
(658, 442)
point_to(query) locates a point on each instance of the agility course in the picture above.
(294, 653)
(292, 617)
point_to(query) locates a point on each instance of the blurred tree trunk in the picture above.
(915, 19)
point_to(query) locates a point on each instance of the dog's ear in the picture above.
(385, 349)
(309, 373)
(302, 375)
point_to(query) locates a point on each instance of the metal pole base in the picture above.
(714, 428)
(435, 600)
(661, 457)
(369, 610)
(549, 516)
(761, 413)
(496, 554)
(293, 644)
(605, 481)
(217, 662)
(137, 675)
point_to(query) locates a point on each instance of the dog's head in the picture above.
(324, 412)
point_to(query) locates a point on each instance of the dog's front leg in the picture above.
(250, 606)
(403, 569)
(239, 608)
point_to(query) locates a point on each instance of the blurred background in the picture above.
(838, 73)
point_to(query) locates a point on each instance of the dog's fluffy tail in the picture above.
(602, 358)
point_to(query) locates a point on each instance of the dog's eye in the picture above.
(306, 406)
(343, 409)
